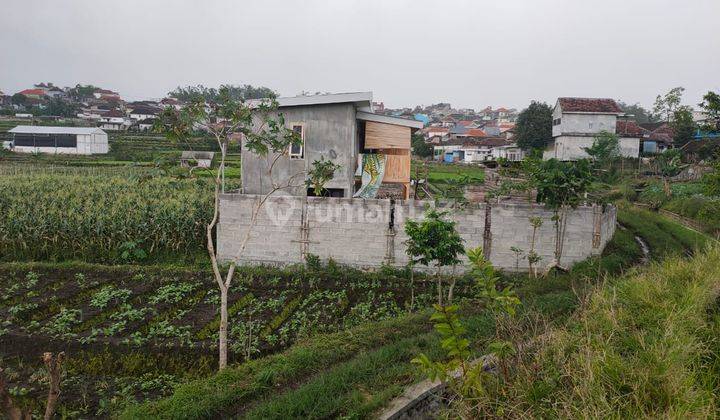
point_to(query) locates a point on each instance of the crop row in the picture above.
(119, 324)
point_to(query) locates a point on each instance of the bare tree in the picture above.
(264, 133)
(54, 367)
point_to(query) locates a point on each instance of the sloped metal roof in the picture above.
(41, 129)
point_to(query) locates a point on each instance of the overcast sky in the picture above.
(408, 52)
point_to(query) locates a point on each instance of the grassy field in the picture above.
(134, 333)
(643, 346)
(444, 172)
(663, 236)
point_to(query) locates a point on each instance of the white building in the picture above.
(58, 140)
(576, 122)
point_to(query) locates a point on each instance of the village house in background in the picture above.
(577, 121)
(344, 129)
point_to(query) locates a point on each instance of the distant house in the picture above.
(171, 102)
(472, 149)
(657, 138)
(106, 94)
(34, 93)
(114, 120)
(192, 159)
(58, 140)
(576, 123)
(448, 121)
(139, 113)
(146, 124)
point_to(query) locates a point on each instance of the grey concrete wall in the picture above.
(330, 132)
(358, 232)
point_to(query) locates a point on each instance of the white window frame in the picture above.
(300, 155)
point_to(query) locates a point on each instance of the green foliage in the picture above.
(61, 108)
(452, 333)
(320, 173)
(665, 105)
(711, 107)
(433, 240)
(640, 114)
(711, 181)
(108, 294)
(18, 99)
(238, 93)
(643, 346)
(533, 129)
(683, 126)
(420, 148)
(501, 301)
(561, 184)
(669, 163)
(452, 340)
(605, 149)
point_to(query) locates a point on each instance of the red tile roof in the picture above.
(465, 123)
(604, 105)
(629, 128)
(475, 132)
(32, 92)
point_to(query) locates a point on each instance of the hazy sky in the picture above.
(468, 53)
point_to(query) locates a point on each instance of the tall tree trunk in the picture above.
(223, 327)
(412, 287)
(439, 286)
(487, 231)
(54, 365)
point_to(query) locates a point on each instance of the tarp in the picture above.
(373, 171)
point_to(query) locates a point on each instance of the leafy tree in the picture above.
(665, 105)
(61, 108)
(604, 151)
(669, 163)
(561, 186)
(533, 129)
(18, 99)
(683, 126)
(711, 107)
(80, 92)
(502, 302)
(265, 134)
(711, 181)
(238, 93)
(434, 240)
(420, 147)
(641, 114)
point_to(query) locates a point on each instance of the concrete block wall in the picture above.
(368, 233)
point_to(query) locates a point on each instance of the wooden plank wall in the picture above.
(386, 136)
(397, 166)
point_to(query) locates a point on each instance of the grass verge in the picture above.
(643, 347)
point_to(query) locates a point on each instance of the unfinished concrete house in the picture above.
(341, 128)
(353, 224)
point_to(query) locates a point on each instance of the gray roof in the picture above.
(369, 116)
(361, 99)
(41, 129)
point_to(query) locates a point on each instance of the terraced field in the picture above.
(136, 332)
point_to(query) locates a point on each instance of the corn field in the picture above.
(102, 218)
